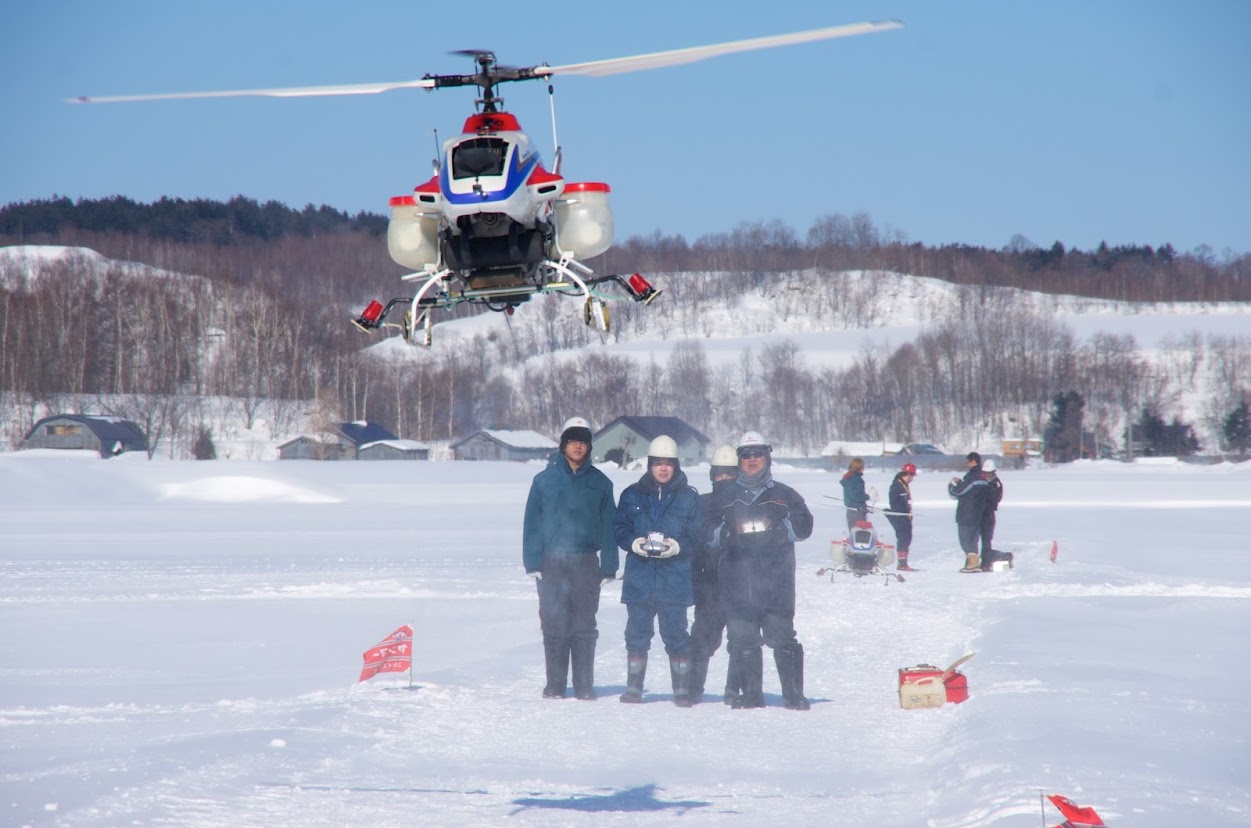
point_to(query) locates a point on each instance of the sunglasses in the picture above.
(751, 454)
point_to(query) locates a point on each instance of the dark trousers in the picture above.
(987, 532)
(855, 513)
(969, 535)
(903, 533)
(569, 598)
(640, 627)
(749, 627)
(709, 621)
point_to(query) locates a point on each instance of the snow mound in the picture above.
(236, 489)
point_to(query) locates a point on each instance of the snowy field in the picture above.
(180, 642)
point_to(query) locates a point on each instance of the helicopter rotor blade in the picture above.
(597, 68)
(656, 60)
(288, 92)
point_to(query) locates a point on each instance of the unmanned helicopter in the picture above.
(493, 226)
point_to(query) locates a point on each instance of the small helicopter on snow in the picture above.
(493, 226)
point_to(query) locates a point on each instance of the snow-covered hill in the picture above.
(831, 318)
(892, 308)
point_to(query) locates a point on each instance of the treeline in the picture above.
(167, 233)
(238, 221)
(1132, 273)
(264, 323)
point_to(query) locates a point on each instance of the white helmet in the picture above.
(575, 422)
(663, 446)
(575, 428)
(725, 456)
(988, 465)
(752, 439)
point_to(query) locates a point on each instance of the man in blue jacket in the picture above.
(568, 548)
(658, 521)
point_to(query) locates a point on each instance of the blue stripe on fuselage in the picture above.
(517, 175)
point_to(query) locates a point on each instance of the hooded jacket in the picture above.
(674, 510)
(854, 494)
(569, 513)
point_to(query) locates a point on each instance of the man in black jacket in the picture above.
(755, 522)
(971, 494)
(994, 495)
(709, 622)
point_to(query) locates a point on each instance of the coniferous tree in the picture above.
(1161, 439)
(204, 449)
(1063, 435)
(1236, 430)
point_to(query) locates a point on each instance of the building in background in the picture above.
(491, 444)
(625, 440)
(345, 441)
(110, 436)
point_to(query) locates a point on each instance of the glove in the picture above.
(655, 545)
(536, 575)
(671, 548)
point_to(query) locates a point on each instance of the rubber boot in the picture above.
(901, 563)
(583, 657)
(699, 675)
(556, 656)
(680, 674)
(751, 679)
(790, 664)
(972, 563)
(636, 670)
(733, 685)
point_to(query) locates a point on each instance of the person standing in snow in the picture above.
(971, 494)
(658, 521)
(900, 516)
(994, 495)
(755, 522)
(710, 617)
(569, 549)
(855, 498)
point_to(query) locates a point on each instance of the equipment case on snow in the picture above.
(927, 686)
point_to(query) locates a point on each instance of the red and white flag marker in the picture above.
(393, 654)
(1075, 816)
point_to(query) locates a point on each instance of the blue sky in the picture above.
(1081, 122)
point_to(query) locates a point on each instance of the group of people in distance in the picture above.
(977, 496)
(730, 553)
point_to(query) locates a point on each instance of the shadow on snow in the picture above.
(637, 799)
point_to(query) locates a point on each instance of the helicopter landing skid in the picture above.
(504, 299)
